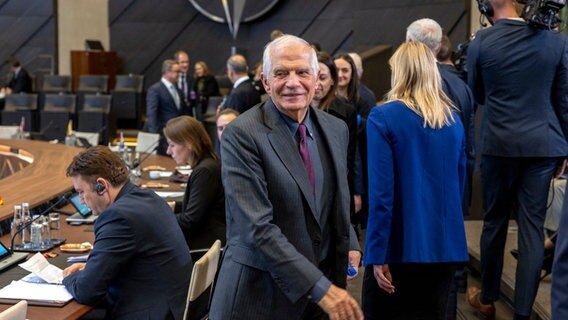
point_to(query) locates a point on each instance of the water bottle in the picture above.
(351, 271)
(45, 232)
(26, 219)
(36, 239)
(16, 225)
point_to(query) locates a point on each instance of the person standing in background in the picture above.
(164, 101)
(186, 83)
(20, 80)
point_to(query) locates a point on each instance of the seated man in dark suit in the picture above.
(244, 95)
(140, 270)
(164, 101)
(20, 81)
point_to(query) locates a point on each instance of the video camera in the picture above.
(542, 14)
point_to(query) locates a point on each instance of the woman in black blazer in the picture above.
(205, 85)
(202, 216)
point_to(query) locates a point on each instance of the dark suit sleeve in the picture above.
(114, 247)
(202, 187)
(560, 90)
(152, 105)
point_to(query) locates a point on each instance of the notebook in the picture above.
(83, 214)
(9, 258)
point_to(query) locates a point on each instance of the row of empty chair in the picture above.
(91, 108)
(94, 115)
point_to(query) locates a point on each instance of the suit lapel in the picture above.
(287, 151)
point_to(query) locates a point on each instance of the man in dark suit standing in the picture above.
(164, 101)
(285, 177)
(186, 83)
(20, 81)
(139, 270)
(244, 95)
(522, 142)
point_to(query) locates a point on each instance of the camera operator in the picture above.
(519, 73)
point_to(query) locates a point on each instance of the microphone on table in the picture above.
(147, 153)
(62, 199)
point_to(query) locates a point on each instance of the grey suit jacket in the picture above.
(273, 237)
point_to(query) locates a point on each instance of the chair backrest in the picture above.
(54, 83)
(21, 101)
(129, 83)
(93, 83)
(8, 132)
(203, 275)
(146, 142)
(96, 103)
(61, 102)
(18, 311)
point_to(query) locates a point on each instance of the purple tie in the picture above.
(305, 154)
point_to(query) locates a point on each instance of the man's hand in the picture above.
(383, 277)
(354, 260)
(76, 267)
(358, 202)
(339, 305)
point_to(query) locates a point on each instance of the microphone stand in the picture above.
(27, 224)
(147, 153)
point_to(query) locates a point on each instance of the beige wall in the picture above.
(79, 20)
(474, 22)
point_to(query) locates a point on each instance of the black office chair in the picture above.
(53, 84)
(93, 116)
(90, 84)
(18, 106)
(56, 113)
(127, 101)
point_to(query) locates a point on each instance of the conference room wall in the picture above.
(145, 32)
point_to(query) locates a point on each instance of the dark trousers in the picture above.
(421, 292)
(524, 182)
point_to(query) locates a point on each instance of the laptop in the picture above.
(83, 214)
(9, 258)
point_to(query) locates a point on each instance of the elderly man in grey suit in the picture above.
(285, 179)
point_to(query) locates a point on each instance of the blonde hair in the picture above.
(416, 82)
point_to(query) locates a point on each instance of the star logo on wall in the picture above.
(233, 12)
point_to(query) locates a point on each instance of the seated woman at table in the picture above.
(202, 215)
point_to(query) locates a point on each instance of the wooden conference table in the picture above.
(38, 182)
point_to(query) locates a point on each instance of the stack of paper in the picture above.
(41, 287)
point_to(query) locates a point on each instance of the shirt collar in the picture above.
(240, 80)
(167, 83)
(293, 125)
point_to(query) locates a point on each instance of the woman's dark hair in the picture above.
(353, 86)
(325, 58)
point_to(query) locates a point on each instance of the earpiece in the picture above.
(485, 8)
(100, 188)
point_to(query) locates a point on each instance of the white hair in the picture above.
(283, 41)
(426, 31)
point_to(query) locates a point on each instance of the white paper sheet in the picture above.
(39, 266)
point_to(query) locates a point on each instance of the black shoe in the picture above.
(546, 262)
